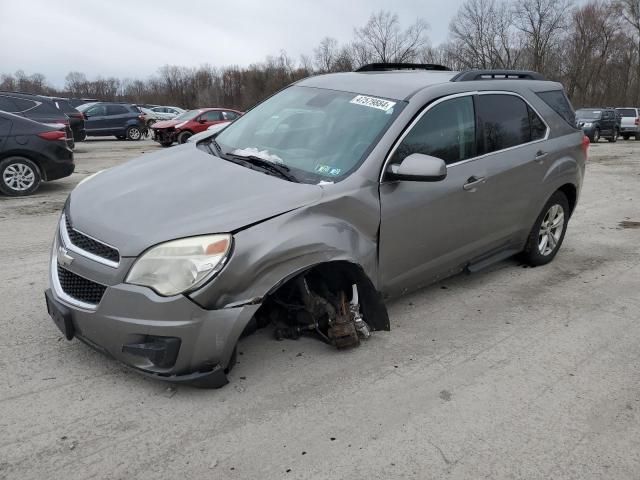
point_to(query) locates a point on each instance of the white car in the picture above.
(167, 113)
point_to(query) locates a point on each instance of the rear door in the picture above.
(516, 158)
(210, 118)
(117, 117)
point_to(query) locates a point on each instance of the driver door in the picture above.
(429, 230)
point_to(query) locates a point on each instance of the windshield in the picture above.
(190, 115)
(320, 135)
(589, 114)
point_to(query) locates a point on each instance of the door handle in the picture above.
(540, 155)
(473, 182)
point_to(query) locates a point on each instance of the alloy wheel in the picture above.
(134, 133)
(18, 177)
(551, 230)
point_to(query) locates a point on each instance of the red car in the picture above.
(193, 121)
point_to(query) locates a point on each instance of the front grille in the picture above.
(79, 287)
(90, 245)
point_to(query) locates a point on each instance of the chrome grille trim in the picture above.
(67, 243)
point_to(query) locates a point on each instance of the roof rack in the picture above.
(471, 75)
(386, 67)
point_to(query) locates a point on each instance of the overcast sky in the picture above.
(127, 38)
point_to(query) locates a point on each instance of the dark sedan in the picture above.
(31, 152)
(37, 108)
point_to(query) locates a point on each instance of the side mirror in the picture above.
(418, 167)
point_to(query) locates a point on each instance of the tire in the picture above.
(134, 133)
(614, 139)
(595, 137)
(539, 251)
(19, 176)
(166, 144)
(184, 136)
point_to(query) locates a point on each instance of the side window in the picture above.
(97, 111)
(503, 121)
(7, 104)
(230, 115)
(212, 116)
(23, 104)
(538, 128)
(559, 102)
(116, 110)
(447, 131)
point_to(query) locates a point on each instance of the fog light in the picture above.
(161, 351)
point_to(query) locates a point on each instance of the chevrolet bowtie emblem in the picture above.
(64, 258)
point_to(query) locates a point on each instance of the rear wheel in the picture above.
(614, 138)
(548, 231)
(184, 136)
(19, 176)
(595, 136)
(134, 133)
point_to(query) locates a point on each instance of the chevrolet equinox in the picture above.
(310, 210)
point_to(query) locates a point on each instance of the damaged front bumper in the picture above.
(167, 338)
(165, 135)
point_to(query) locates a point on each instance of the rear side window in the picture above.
(116, 110)
(22, 105)
(503, 122)
(212, 116)
(628, 112)
(7, 104)
(230, 115)
(538, 128)
(559, 102)
(447, 131)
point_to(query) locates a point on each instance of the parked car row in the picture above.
(609, 123)
(181, 128)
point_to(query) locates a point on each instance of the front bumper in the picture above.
(165, 135)
(130, 315)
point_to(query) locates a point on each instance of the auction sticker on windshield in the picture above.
(373, 102)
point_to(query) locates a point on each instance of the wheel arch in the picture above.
(29, 156)
(571, 192)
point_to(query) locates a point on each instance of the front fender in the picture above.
(267, 254)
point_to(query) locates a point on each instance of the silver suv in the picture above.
(332, 195)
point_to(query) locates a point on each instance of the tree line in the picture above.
(593, 48)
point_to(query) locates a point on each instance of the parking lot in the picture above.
(509, 373)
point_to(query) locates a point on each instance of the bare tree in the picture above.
(383, 40)
(542, 23)
(630, 10)
(325, 54)
(484, 34)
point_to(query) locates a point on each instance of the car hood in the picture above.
(166, 124)
(179, 193)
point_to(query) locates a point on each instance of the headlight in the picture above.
(180, 125)
(180, 265)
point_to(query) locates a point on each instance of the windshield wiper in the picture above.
(281, 171)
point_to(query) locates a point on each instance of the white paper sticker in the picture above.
(373, 102)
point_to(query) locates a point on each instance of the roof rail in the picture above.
(385, 67)
(471, 75)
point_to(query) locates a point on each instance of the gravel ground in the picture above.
(508, 373)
